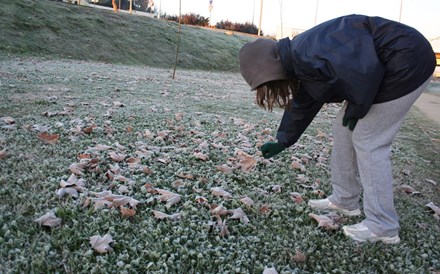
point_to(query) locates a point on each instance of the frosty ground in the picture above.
(186, 148)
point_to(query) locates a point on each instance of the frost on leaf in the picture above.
(435, 209)
(71, 187)
(324, 221)
(218, 191)
(239, 214)
(245, 161)
(117, 157)
(296, 164)
(247, 201)
(49, 219)
(7, 120)
(224, 168)
(297, 197)
(161, 216)
(48, 138)
(101, 244)
(201, 156)
(218, 210)
(107, 199)
(168, 197)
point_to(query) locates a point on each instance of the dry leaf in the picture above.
(434, 208)
(117, 157)
(276, 188)
(239, 214)
(161, 216)
(101, 244)
(218, 191)
(185, 176)
(218, 210)
(169, 197)
(201, 200)
(224, 231)
(298, 165)
(201, 156)
(224, 168)
(408, 189)
(3, 154)
(78, 168)
(265, 209)
(297, 197)
(49, 219)
(7, 120)
(48, 138)
(299, 257)
(127, 212)
(246, 162)
(247, 201)
(324, 221)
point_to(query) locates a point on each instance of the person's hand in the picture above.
(270, 149)
(350, 122)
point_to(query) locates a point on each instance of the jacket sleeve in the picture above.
(296, 119)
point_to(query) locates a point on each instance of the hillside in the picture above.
(60, 30)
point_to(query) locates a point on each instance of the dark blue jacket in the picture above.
(360, 59)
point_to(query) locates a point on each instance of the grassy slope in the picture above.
(51, 28)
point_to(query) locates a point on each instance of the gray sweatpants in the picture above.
(365, 153)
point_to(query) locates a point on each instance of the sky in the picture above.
(423, 15)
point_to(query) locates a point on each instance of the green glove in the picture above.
(350, 122)
(270, 149)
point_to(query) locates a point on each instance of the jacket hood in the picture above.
(260, 62)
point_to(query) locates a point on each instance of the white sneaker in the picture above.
(359, 232)
(325, 204)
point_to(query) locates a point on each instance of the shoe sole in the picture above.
(345, 212)
(385, 240)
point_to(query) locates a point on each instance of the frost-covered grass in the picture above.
(144, 114)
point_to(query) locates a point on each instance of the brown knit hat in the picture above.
(260, 63)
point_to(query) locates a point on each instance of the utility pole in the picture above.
(281, 18)
(210, 10)
(316, 11)
(400, 14)
(261, 16)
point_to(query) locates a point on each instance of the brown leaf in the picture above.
(218, 191)
(161, 216)
(127, 212)
(298, 165)
(78, 168)
(434, 208)
(201, 200)
(218, 210)
(239, 214)
(265, 209)
(299, 257)
(246, 162)
(201, 156)
(3, 154)
(185, 176)
(296, 197)
(117, 157)
(324, 221)
(7, 120)
(48, 138)
(408, 189)
(247, 201)
(49, 219)
(276, 188)
(169, 197)
(224, 231)
(101, 244)
(224, 168)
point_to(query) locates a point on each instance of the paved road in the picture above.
(430, 105)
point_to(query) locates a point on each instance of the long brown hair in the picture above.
(276, 93)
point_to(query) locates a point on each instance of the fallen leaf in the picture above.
(224, 231)
(324, 221)
(201, 156)
(434, 208)
(101, 244)
(48, 138)
(7, 120)
(239, 214)
(299, 257)
(224, 168)
(246, 162)
(408, 189)
(49, 219)
(298, 165)
(276, 188)
(218, 210)
(117, 157)
(265, 209)
(78, 168)
(3, 154)
(201, 200)
(247, 201)
(218, 191)
(161, 216)
(297, 197)
(127, 212)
